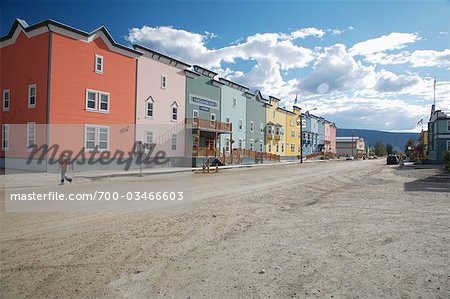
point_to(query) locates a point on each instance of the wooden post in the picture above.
(224, 157)
(198, 139)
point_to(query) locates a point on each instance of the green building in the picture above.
(256, 121)
(438, 135)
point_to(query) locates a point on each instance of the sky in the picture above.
(363, 65)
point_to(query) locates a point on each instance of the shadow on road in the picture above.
(435, 183)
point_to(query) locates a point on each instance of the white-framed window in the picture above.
(149, 107)
(234, 102)
(97, 100)
(174, 109)
(270, 147)
(282, 131)
(261, 146)
(227, 144)
(6, 99)
(174, 142)
(31, 135)
(99, 64)
(163, 82)
(251, 144)
(448, 125)
(448, 145)
(278, 147)
(282, 147)
(240, 125)
(239, 143)
(273, 114)
(252, 126)
(292, 122)
(213, 119)
(103, 102)
(277, 130)
(269, 129)
(32, 96)
(149, 137)
(292, 148)
(96, 136)
(293, 133)
(195, 114)
(228, 120)
(261, 128)
(5, 137)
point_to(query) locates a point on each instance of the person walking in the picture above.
(63, 164)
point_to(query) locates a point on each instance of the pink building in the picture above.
(330, 137)
(160, 104)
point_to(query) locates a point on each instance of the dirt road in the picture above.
(331, 230)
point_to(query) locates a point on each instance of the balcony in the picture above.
(208, 125)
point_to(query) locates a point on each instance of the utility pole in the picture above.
(352, 145)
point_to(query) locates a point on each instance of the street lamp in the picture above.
(301, 134)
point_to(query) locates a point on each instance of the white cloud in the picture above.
(390, 82)
(305, 32)
(418, 58)
(392, 41)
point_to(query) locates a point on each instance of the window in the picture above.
(292, 122)
(448, 125)
(293, 133)
(31, 135)
(213, 119)
(282, 147)
(174, 142)
(91, 102)
(6, 99)
(195, 113)
(149, 137)
(448, 145)
(96, 136)
(228, 119)
(261, 128)
(174, 111)
(32, 96)
(99, 64)
(260, 146)
(270, 147)
(227, 144)
(163, 82)
(234, 102)
(252, 126)
(149, 106)
(251, 144)
(5, 137)
(240, 125)
(92, 96)
(104, 102)
(269, 129)
(299, 148)
(240, 143)
(273, 114)
(292, 148)
(277, 130)
(278, 147)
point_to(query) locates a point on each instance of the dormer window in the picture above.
(149, 107)
(99, 64)
(174, 111)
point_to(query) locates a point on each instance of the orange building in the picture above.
(57, 75)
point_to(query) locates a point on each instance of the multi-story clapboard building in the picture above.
(438, 135)
(256, 122)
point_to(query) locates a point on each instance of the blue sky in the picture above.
(362, 64)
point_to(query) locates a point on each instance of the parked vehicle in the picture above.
(349, 158)
(392, 160)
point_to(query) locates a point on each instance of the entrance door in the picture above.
(209, 142)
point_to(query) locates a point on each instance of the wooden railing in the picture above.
(234, 157)
(210, 125)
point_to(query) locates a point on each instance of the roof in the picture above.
(233, 84)
(158, 55)
(52, 25)
(204, 71)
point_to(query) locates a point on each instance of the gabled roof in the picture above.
(204, 72)
(272, 98)
(157, 56)
(54, 26)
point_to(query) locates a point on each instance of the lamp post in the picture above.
(301, 134)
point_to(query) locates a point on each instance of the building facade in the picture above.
(256, 122)
(233, 109)
(293, 133)
(310, 128)
(275, 127)
(160, 101)
(330, 137)
(350, 146)
(71, 77)
(438, 135)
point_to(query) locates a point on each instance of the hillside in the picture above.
(397, 140)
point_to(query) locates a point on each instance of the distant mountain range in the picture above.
(398, 140)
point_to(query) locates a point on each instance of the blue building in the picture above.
(438, 135)
(311, 132)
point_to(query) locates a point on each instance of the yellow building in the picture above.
(275, 127)
(293, 133)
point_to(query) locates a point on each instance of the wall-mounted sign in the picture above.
(204, 108)
(207, 103)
